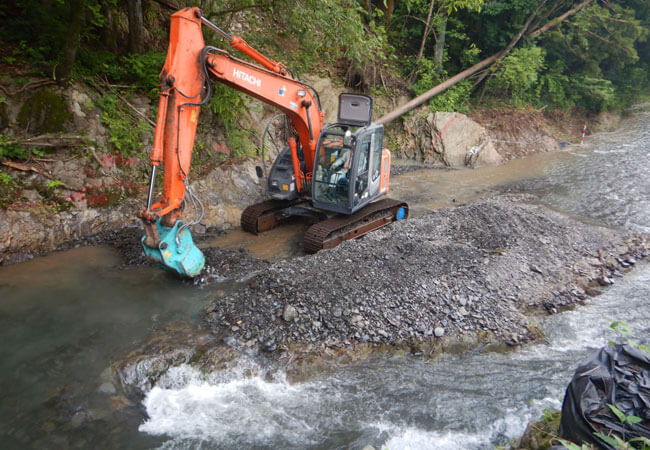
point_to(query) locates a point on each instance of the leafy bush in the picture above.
(141, 71)
(517, 75)
(456, 98)
(9, 149)
(228, 105)
(555, 88)
(125, 133)
(8, 189)
(426, 75)
(596, 94)
(144, 70)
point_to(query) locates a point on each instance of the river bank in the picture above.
(62, 187)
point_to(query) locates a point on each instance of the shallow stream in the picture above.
(65, 317)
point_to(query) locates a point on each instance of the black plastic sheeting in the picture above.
(618, 375)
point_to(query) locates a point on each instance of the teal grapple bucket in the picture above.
(183, 257)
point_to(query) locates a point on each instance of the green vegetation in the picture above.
(517, 76)
(54, 184)
(126, 133)
(9, 149)
(227, 105)
(624, 335)
(594, 55)
(558, 54)
(596, 58)
(8, 189)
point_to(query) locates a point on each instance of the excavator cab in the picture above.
(351, 169)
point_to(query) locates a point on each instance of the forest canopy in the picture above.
(592, 54)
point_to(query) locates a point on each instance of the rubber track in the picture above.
(252, 213)
(317, 234)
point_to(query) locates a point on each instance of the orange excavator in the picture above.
(334, 174)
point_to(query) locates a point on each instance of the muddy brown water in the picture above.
(425, 190)
(65, 317)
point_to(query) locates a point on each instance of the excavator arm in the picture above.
(185, 86)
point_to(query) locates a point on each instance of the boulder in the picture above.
(45, 111)
(227, 191)
(484, 155)
(453, 135)
(448, 139)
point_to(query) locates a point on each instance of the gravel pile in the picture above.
(222, 264)
(470, 270)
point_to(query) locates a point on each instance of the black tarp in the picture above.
(618, 375)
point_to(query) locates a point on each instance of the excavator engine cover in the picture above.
(182, 256)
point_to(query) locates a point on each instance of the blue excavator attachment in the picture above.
(176, 251)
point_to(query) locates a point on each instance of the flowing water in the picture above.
(65, 317)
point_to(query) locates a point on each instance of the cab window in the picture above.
(376, 156)
(362, 169)
(333, 170)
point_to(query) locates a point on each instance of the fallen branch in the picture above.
(52, 160)
(24, 168)
(35, 141)
(99, 161)
(31, 85)
(438, 89)
(558, 20)
(146, 119)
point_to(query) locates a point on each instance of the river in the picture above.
(65, 317)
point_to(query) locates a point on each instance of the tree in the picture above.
(436, 22)
(598, 50)
(136, 26)
(77, 11)
(604, 37)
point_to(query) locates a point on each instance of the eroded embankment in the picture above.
(457, 275)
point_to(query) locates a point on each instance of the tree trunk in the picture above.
(136, 26)
(425, 35)
(440, 44)
(367, 6)
(77, 10)
(390, 6)
(427, 30)
(109, 33)
(417, 101)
